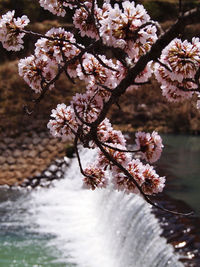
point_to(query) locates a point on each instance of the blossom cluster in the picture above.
(177, 73)
(128, 29)
(51, 51)
(145, 177)
(140, 175)
(149, 145)
(118, 35)
(10, 31)
(63, 123)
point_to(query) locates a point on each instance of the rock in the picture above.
(66, 160)
(18, 175)
(21, 161)
(31, 146)
(17, 153)
(59, 174)
(40, 148)
(53, 168)
(42, 135)
(8, 175)
(3, 146)
(39, 161)
(3, 181)
(27, 140)
(4, 167)
(48, 174)
(11, 160)
(32, 153)
(7, 153)
(63, 167)
(12, 145)
(36, 140)
(44, 154)
(54, 141)
(51, 148)
(45, 141)
(34, 182)
(26, 153)
(13, 167)
(8, 140)
(2, 160)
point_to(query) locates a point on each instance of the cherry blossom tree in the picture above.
(125, 48)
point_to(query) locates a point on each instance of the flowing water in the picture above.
(66, 225)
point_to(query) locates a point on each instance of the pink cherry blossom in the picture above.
(182, 59)
(11, 31)
(59, 47)
(63, 124)
(85, 22)
(152, 184)
(87, 106)
(124, 29)
(94, 178)
(122, 158)
(123, 183)
(54, 6)
(37, 72)
(107, 134)
(150, 145)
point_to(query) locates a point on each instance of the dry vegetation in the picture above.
(14, 94)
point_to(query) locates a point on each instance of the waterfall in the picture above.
(101, 228)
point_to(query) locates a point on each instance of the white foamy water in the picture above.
(101, 228)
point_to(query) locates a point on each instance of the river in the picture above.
(67, 226)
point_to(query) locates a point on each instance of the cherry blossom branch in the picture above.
(39, 35)
(130, 177)
(189, 17)
(79, 161)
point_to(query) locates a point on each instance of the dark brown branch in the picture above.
(142, 83)
(118, 149)
(81, 120)
(79, 161)
(105, 87)
(182, 88)
(65, 62)
(163, 65)
(77, 154)
(102, 63)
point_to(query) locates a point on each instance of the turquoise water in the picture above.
(181, 163)
(20, 243)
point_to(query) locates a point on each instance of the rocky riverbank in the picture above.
(27, 156)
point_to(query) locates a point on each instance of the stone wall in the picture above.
(27, 155)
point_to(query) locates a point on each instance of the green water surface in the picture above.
(180, 162)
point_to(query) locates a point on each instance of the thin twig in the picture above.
(164, 65)
(118, 149)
